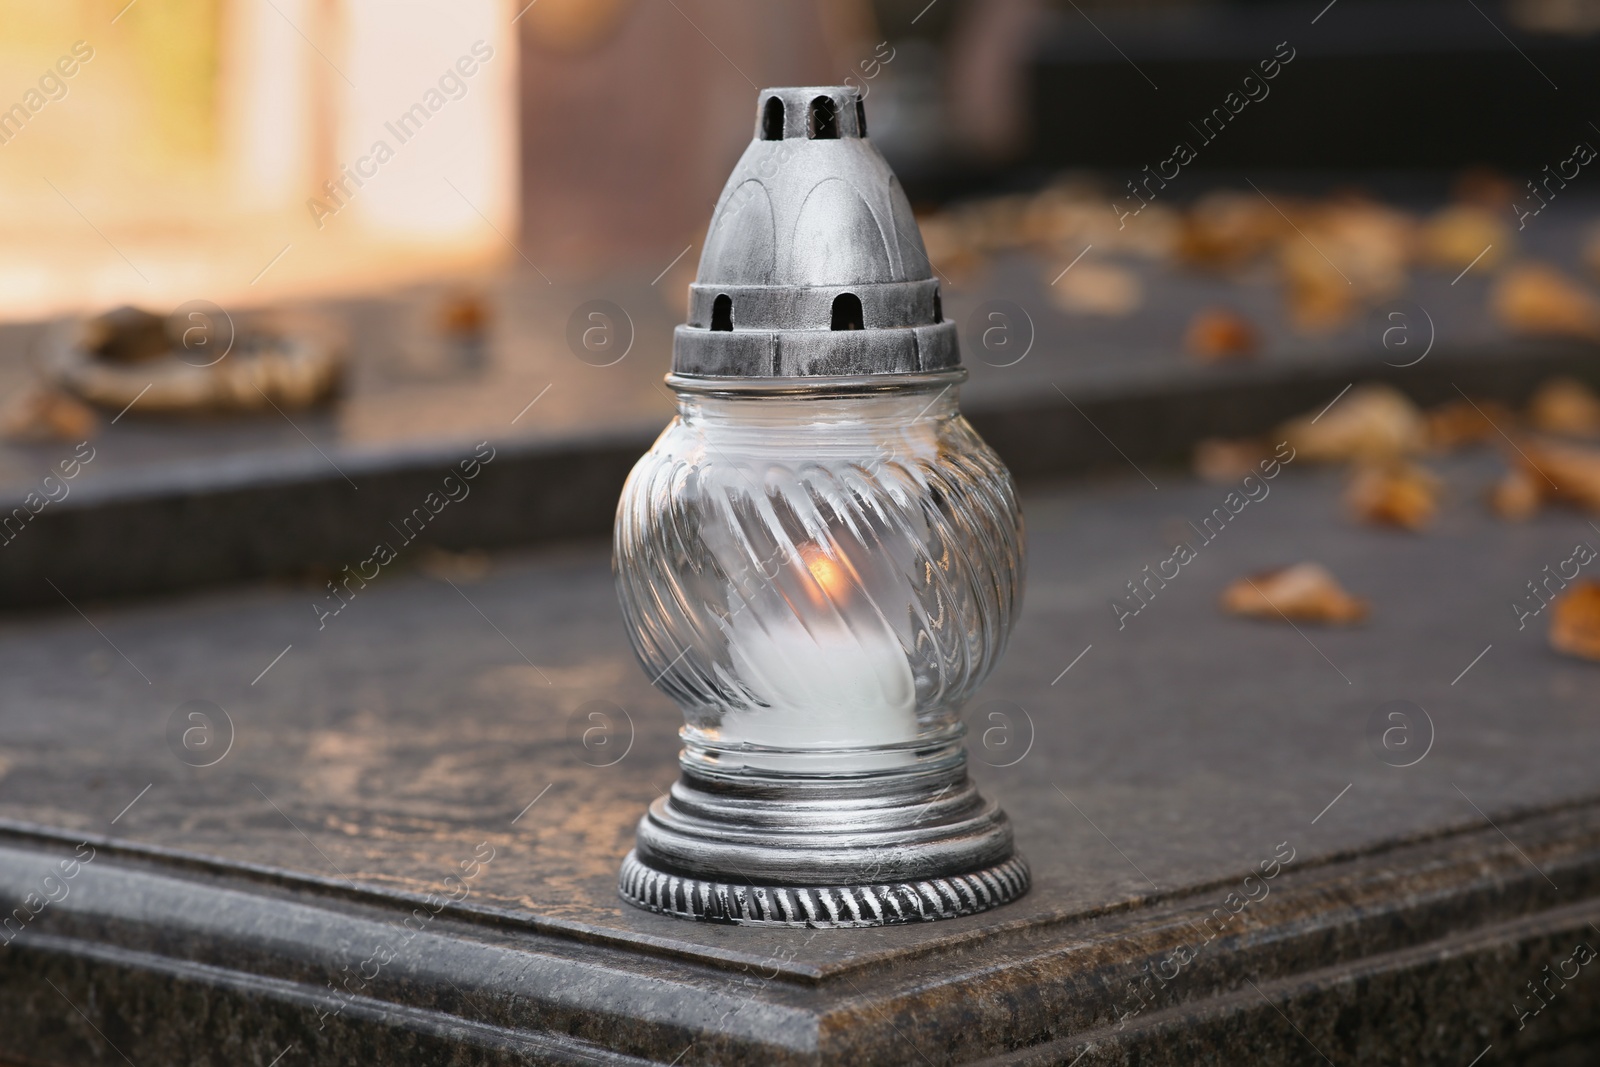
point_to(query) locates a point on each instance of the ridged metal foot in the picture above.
(823, 906)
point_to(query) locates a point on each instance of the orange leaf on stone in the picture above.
(1575, 620)
(1393, 494)
(1565, 406)
(1462, 422)
(1370, 422)
(1516, 495)
(1304, 592)
(1466, 235)
(1098, 289)
(1221, 335)
(1226, 229)
(1535, 298)
(1566, 473)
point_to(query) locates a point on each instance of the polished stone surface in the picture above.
(1148, 770)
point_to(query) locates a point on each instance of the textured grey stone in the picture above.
(209, 926)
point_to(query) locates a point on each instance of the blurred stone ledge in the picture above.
(1414, 947)
(287, 513)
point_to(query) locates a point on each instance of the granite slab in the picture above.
(432, 751)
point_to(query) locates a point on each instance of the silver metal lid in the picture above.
(813, 265)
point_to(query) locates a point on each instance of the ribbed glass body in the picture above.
(820, 580)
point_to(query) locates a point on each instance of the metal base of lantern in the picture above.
(773, 850)
(823, 906)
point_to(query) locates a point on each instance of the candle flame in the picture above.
(830, 580)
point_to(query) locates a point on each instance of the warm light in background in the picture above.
(201, 139)
(400, 58)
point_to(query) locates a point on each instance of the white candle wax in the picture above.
(828, 689)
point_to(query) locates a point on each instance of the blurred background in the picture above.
(358, 236)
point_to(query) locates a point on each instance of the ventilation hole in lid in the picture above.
(938, 307)
(861, 117)
(847, 312)
(722, 312)
(772, 120)
(824, 125)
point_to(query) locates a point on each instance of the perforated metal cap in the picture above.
(813, 265)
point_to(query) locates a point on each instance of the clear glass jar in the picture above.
(820, 576)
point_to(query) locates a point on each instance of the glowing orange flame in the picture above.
(830, 577)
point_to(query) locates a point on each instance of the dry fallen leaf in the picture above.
(1455, 238)
(1575, 620)
(1321, 299)
(1098, 289)
(1305, 592)
(1535, 298)
(1227, 229)
(1565, 406)
(40, 413)
(1516, 495)
(1221, 335)
(1372, 243)
(1370, 422)
(1347, 251)
(1393, 494)
(1562, 472)
(1154, 236)
(1462, 422)
(1319, 306)
(1218, 459)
